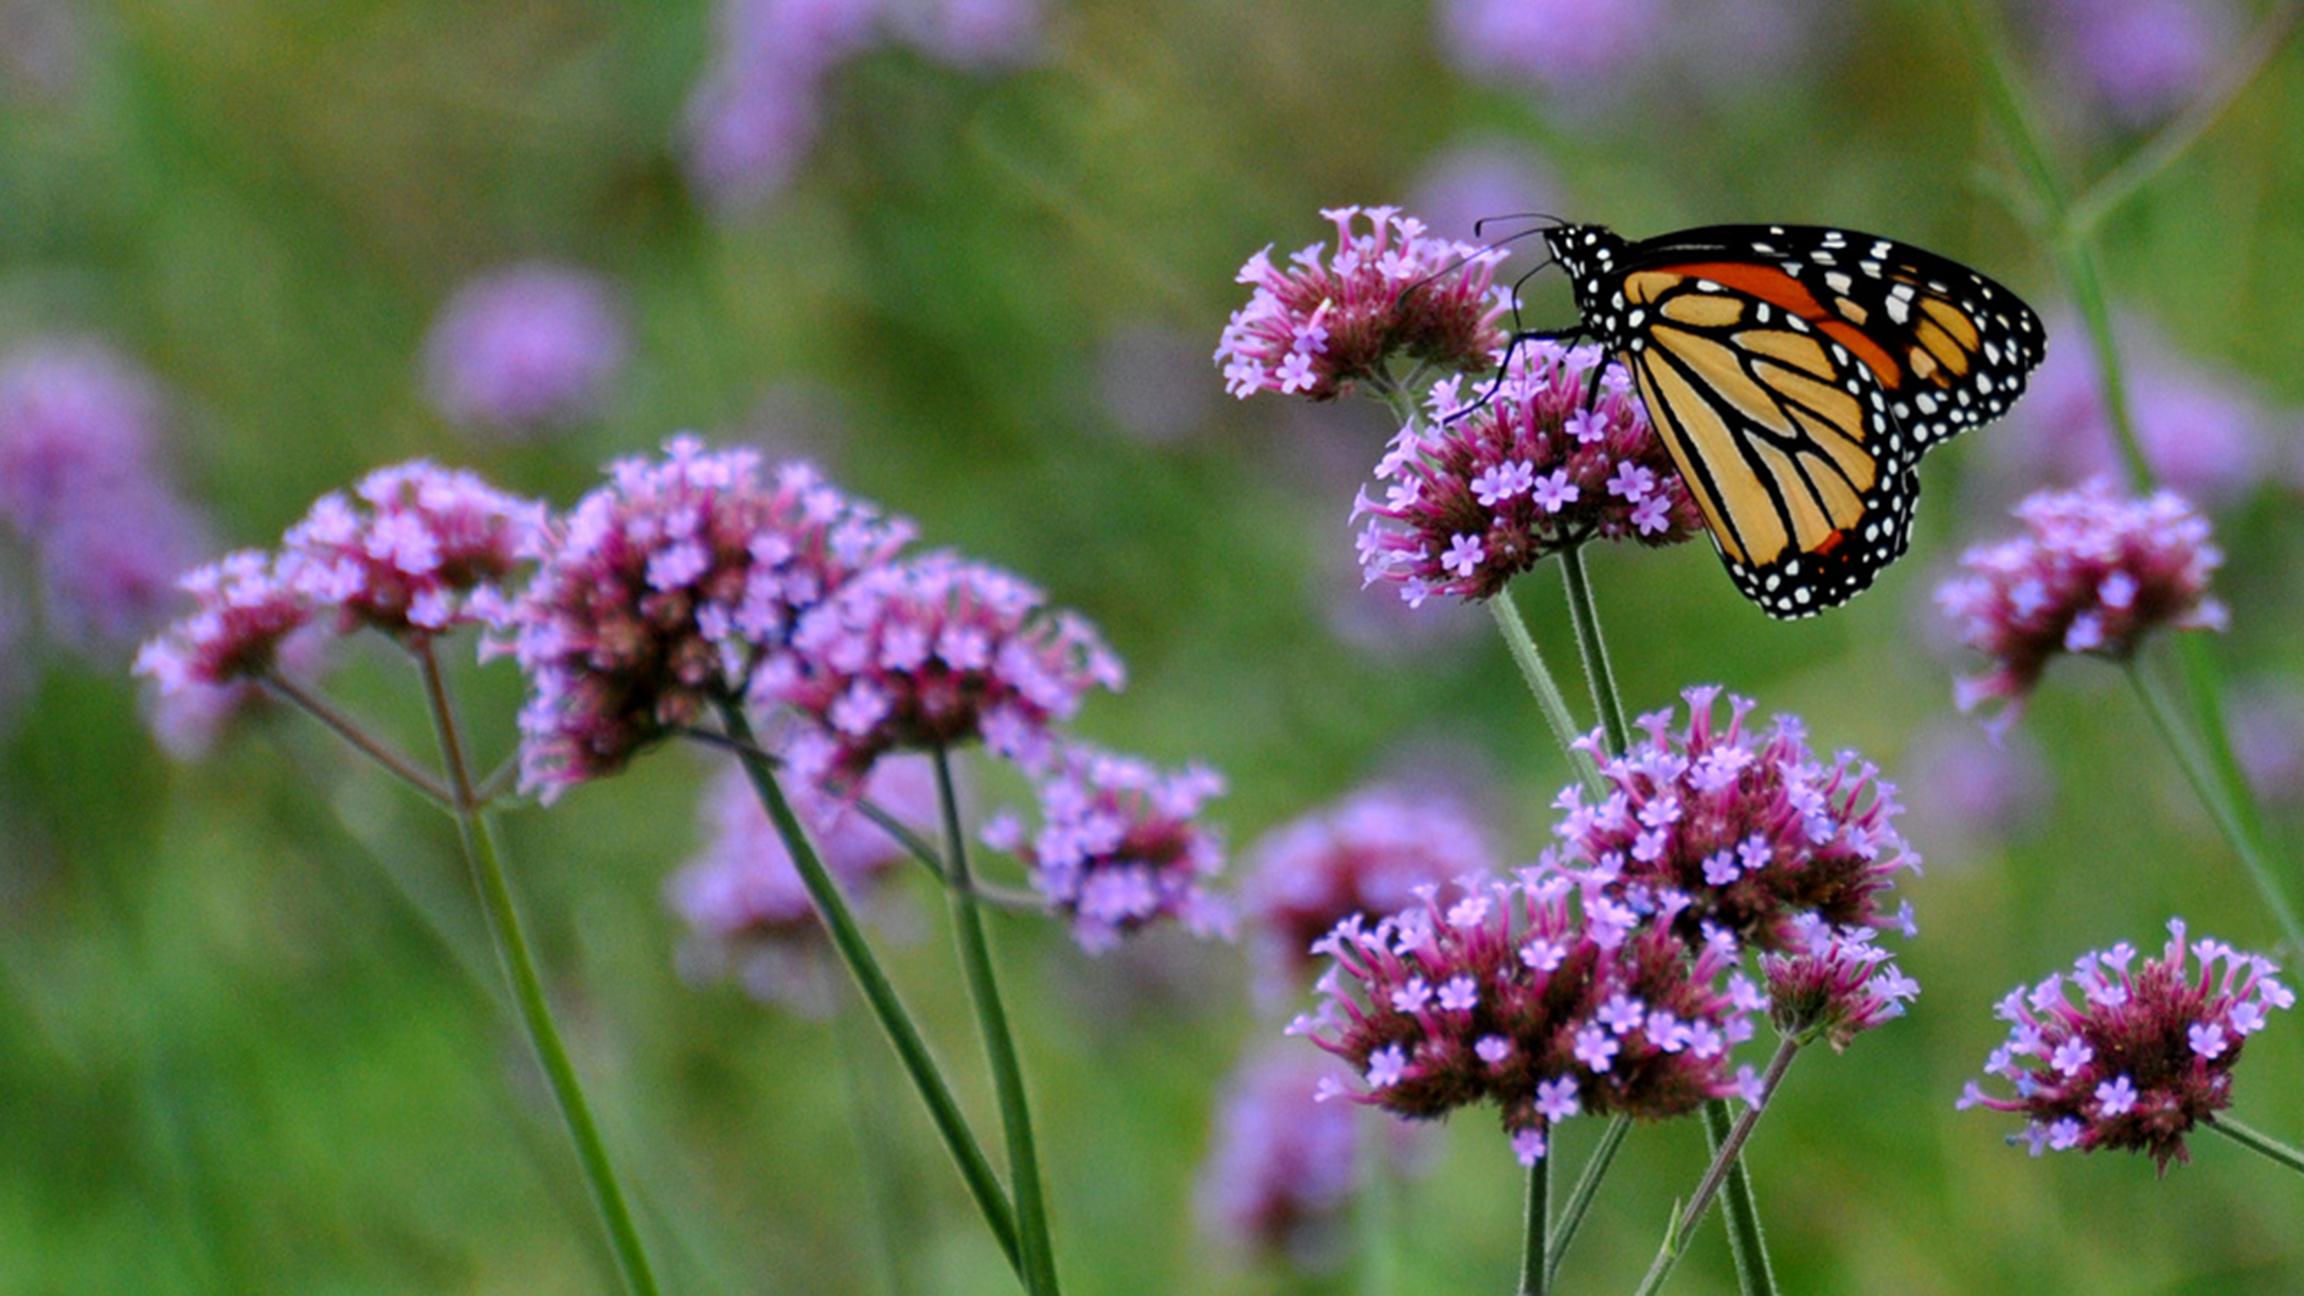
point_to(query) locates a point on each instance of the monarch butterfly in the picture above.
(1796, 374)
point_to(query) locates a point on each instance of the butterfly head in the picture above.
(1589, 254)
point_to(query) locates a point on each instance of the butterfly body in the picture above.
(1796, 374)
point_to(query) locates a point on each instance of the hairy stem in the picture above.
(354, 733)
(2259, 1142)
(999, 1047)
(864, 968)
(1752, 1273)
(519, 960)
(1587, 1187)
(1536, 1230)
(1593, 648)
(1549, 699)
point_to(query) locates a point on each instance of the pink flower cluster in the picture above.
(666, 590)
(1833, 985)
(1737, 832)
(1390, 290)
(1365, 855)
(747, 911)
(1120, 844)
(2095, 572)
(416, 550)
(244, 607)
(2142, 1057)
(1503, 992)
(1487, 494)
(934, 651)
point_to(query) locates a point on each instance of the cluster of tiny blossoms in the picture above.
(2094, 573)
(931, 652)
(1327, 322)
(1364, 855)
(664, 592)
(747, 910)
(2142, 1057)
(1738, 831)
(1833, 985)
(416, 550)
(244, 607)
(1120, 845)
(1499, 991)
(1480, 497)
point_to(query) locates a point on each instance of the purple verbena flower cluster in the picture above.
(415, 550)
(2095, 572)
(746, 909)
(1506, 992)
(1120, 844)
(2142, 1057)
(245, 606)
(935, 651)
(1391, 290)
(526, 348)
(1483, 496)
(1833, 985)
(1364, 855)
(1738, 832)
(666, 590)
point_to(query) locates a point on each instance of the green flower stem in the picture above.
(2232, 812)
(2260, 1142)
(1587, 1187)
(1536, 1233)
(895, 1022)
(999, 1047)
(893, 1209)
(1752, 1274)
(353, 732)
(1547, 690)
(528, 988)
(1374, 1214)
(1606, 699)
(1747, 1245)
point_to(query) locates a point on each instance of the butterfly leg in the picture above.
(1503, 367)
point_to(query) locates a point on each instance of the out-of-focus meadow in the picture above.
(252, 1034)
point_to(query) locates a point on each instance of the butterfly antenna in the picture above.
(1504, 367)
(1463, 261)
(1550, 221)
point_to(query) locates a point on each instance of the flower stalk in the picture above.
(1536, 1231)
(2259, 1142)
(1580, 1197)
(1722, 1175)
(864, 967)
(479, 841)
(1039, 1261)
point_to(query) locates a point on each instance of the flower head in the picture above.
(244, 607)
(1502, 992)
(1486, 495)
(1562, 45)
(526, 347)
(1834, 985)
(2095, 572)
(1738, 831)
(666, 590)
(109, 568)
(1365, 855)
(416, 550)
(2142, 1057)
(1391, 289)
(934, 651)
(77, 421)
(1282, 1165)
(1120, 845)
(748, 913)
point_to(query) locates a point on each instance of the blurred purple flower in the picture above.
(2095, 572)
(43, 49)
(748, 914)
(1569, 47)
(1471, 503)
(77, 420)
(1966, 790)
(1283, 1166)
(2203, 430)
(1327, 322)
(2142, 1058)
(525, 348)
(2137, 59)
(1120, 845)
(1503, 992)
(2268, 737)
(745, 133)
(1482, 178)
(1149, 379)
(1741, 832)
(979, 35)
(933, 651)
(109, 571)
(1365, 855)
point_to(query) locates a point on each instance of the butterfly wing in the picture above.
(1949, 347)
(1782, 431)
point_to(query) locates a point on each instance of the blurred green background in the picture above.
(252, 1037)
